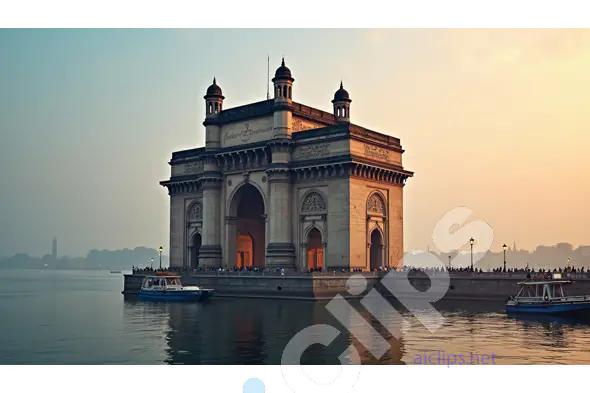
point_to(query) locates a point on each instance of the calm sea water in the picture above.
(79, 317)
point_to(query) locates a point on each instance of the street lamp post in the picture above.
(471, 242)
(152, 263)
(161, 249)
(504, 247)
(449, 263)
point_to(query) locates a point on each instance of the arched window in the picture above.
(216, 107)
(376, 204)
(289, 92)
(210, 110)
(285, 91)
(313, 202)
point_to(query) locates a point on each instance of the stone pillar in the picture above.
(280, 251)
(231, 236)
(210, 252)
(325, 246)
(303, 260)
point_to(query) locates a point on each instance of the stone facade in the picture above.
(281, 184)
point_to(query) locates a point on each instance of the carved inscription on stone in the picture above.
(313, 202)
(299, 125)
(246, 134)
(313, 151)
(375, 205)
(193, 167)
(195, 212)
(377, 152)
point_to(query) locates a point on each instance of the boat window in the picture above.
(148, 283)
(173, 281)
(162, 283)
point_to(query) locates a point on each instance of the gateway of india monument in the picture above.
(281, 184)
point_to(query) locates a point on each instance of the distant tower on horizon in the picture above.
(54, 249)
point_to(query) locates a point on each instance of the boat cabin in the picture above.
(542, 291)
(161, 282)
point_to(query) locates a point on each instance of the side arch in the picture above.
(312, 227)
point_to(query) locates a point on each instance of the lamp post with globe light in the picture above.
(161, 250)
(505, 247)
(471, 243)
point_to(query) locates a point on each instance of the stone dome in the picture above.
(341, 94)
(214, 90)
(283, 72)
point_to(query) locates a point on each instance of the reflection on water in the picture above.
(252, 331)
(82, 318)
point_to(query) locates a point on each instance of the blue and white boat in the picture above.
(547, 297)
(169, 287)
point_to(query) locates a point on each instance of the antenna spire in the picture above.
(268, 77)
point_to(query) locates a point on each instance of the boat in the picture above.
(547, 297)
(170, 287)
(115, 271)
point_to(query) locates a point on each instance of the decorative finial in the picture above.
(283, 62)
(214, 81)
(341, 84)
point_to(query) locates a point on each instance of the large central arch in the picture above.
(246, 228)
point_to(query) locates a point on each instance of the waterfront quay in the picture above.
(493, 286)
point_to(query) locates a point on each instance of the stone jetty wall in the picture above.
(325, 286)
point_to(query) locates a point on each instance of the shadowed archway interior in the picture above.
(249, 243)
(315, 250)
(376, 249)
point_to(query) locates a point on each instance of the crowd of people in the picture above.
(149, 269)
(528, 273)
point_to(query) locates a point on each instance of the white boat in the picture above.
(170, 287)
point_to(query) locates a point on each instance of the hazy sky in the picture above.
(495, 120)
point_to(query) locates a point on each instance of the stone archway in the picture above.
(315, 250)
(246, 228)
(376, 251)
(195, 247)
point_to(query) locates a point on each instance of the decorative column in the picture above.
(231, 234)
(280, 251)
(210, 252)
(303, 248)
(325, 249)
